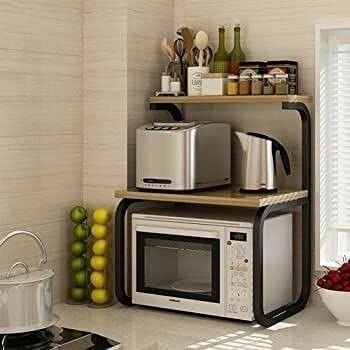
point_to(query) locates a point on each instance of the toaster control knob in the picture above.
(174, 128)
(150, 128)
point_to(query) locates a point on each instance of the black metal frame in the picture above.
(169, 107)
(119, 241)
(285, 311)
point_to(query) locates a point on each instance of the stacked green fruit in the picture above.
(81, 232)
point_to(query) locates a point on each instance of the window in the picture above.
(332, 144)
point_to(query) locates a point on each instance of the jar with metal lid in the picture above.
(268, 84)
(232, 85)
(257, 84)
(245, 85)
(281, 84)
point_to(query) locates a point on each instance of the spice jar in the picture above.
(245, 85)
(232, 85)
(257, 84)
(281, 86)
(269, 84)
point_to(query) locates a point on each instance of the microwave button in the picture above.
(244, 308)
(232, 308)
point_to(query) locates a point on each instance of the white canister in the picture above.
(166, 79)
(194, 80)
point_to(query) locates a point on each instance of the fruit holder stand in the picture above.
(265, 204)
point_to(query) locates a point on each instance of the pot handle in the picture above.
(43, 259)
(15, 265)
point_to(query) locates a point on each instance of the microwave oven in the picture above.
(201, 261)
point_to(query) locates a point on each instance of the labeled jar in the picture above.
(268, 84)
(245, 85)
(165, 84)
(257, 84)
(232, 85)
(281, 84)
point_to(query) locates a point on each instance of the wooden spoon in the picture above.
(168, 50)
(187, 35)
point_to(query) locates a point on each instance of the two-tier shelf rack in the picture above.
(265, 204)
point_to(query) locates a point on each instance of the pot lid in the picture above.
(33, 276)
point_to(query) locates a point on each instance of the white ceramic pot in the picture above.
(338, 304)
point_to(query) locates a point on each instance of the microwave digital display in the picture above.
(238, 236)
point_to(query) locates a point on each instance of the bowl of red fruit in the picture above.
(334, 289)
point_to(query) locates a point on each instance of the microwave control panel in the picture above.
(239, 282)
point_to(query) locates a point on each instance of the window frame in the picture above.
(319, 29)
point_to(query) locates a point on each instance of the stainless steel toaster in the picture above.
(183, 155)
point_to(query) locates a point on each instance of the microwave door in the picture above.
(178, 265)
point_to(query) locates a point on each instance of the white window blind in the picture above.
(335, 149)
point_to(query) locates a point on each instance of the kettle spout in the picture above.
(243, 139)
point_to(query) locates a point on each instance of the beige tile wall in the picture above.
(105, 100)
(41, 127)
(148, 22)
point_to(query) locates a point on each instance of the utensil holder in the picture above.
(181, 71)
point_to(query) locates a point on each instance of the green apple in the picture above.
(78, 248)
(78, 294)
(78, 264)
(82, 231)
(81, 278)
(78, 214)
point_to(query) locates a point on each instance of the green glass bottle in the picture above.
(221, 57)
(237, 55)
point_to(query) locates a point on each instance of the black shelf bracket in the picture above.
(283, 312)
(169, 107)
(119, 248)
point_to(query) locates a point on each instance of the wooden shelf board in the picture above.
(226, 196)
(231, 99)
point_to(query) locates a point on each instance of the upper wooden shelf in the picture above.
(231, 99)
(227, 196)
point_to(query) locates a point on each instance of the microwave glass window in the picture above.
(178, 266)
(238, 236)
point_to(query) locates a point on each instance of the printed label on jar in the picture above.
(196, 81)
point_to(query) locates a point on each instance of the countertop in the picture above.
(140, 328)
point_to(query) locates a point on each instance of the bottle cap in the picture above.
(237, 24)
(221, 27)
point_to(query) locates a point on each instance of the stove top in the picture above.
(57, 338)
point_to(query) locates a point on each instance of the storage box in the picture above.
(214, 84)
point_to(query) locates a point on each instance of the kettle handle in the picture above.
(277, 146)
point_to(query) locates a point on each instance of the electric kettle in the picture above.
(259, 162)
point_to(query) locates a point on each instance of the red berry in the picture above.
(346, 276)
(346, 289)
(332, 272)
(321, 282)
(346, 283)
(338, 287)
(328, 285)
(346, 268)
(336, 278)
